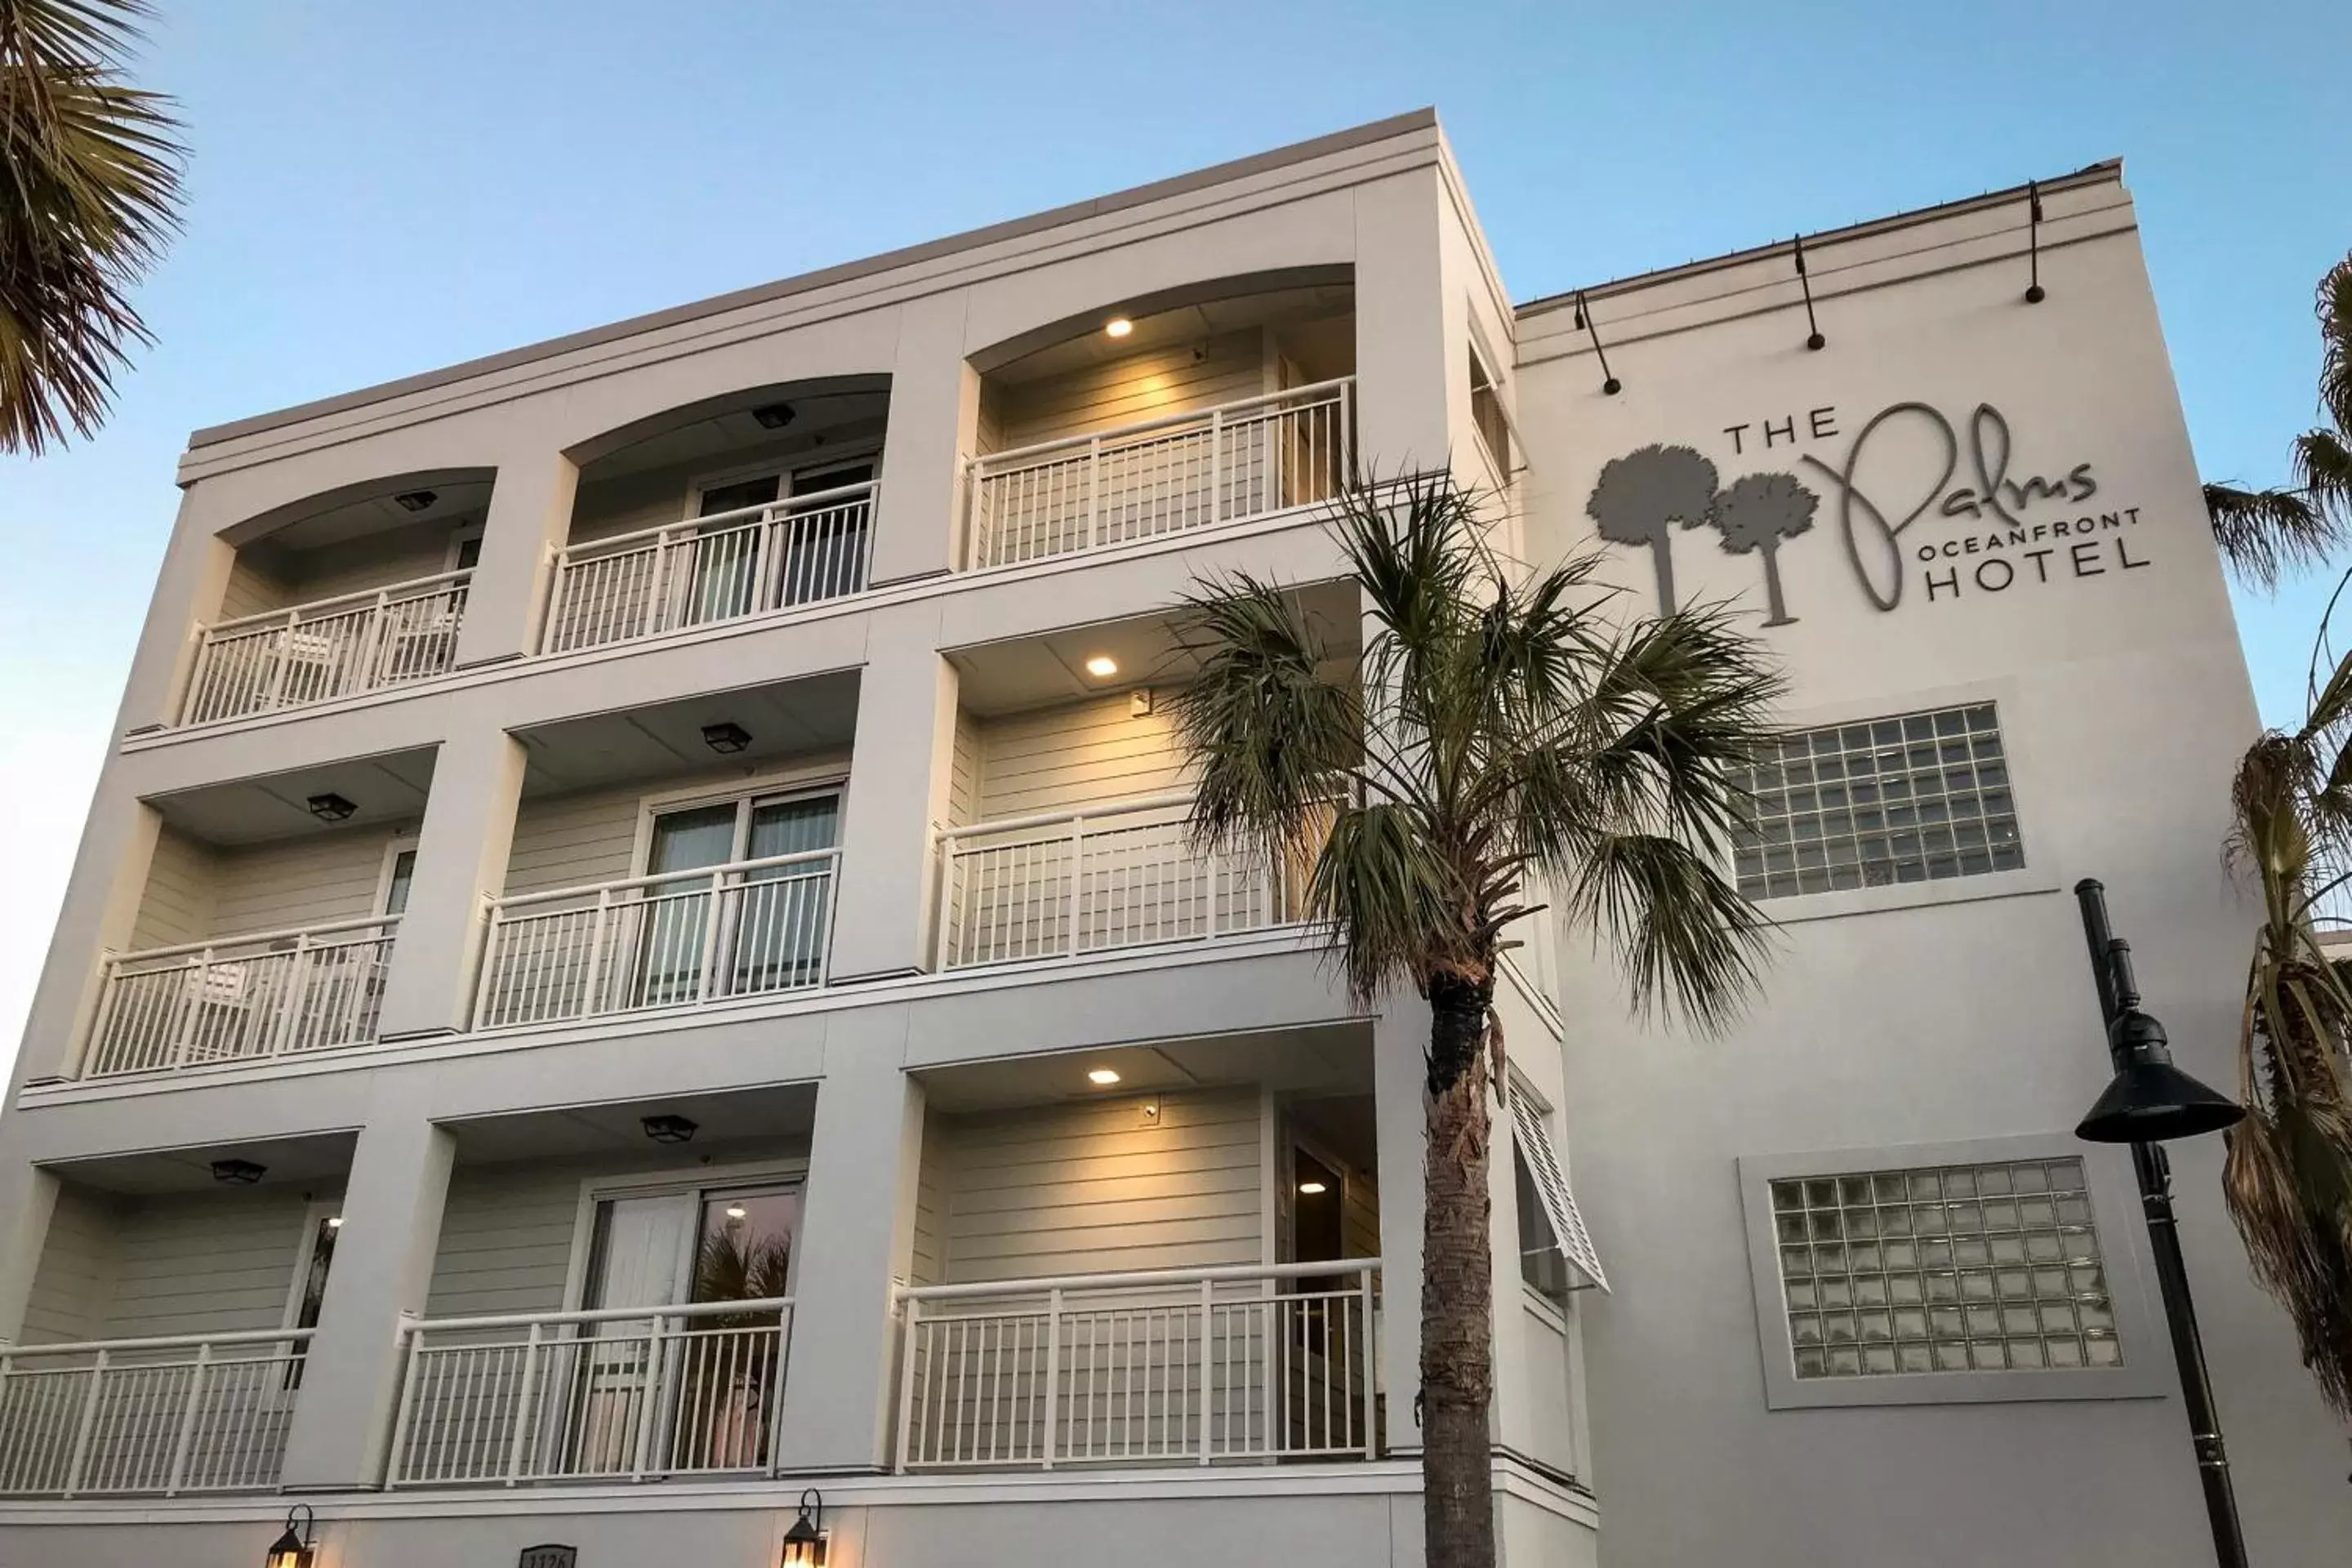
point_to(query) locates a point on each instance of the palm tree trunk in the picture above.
(1779, 615)
(1457, 1329)
(1662, 551)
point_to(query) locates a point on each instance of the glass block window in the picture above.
(1918, 797)
(1992, 1267)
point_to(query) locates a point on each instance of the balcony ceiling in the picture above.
(458, 495)
(318, 1161)
(1322, 1062)
(1159, 323)
(388, 789)
(791, 718)
(768, 1113)
(728, 433)
(1037, 672)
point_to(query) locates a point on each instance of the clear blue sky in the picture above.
(378, 189)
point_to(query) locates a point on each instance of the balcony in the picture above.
(1161, 1367)
(1114, 875)
(247, 998)
(752, 561)
(682, 939)
(612, 1394)
(1226, 464)
(326, 649)
(147, 1417)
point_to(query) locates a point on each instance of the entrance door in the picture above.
(673, 916)
(777, 941)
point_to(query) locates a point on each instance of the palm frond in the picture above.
(2334, 310)
(1690, 941)
(2266, 535)
(90, 193)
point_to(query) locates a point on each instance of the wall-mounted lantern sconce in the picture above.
(331, 807)
(726, 739)
(670, 1128)
(237, 1172)
(292, 1550)
(804, 1541)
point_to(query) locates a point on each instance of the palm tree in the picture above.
(1497, 737)
(90, 193)
(2287, 1176)
(1641, 496)
(1755, 515)
(2266, 533)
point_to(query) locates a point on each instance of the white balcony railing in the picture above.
(333, 647)
(1196, 469)
(719, 568)
(237, 998)
(672, 941)
(1171, 1367)
(1118, 875)
(155, 1416)
(630, 1392)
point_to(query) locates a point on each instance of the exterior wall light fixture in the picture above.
(237, 1172)
(804, 1541)
(726, 739)
(670, 1128)
(292, 1549)
(331, 807)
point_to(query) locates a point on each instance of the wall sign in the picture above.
(550, 1556)
(1913, 518)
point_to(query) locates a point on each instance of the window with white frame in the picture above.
(1553, 1237)
(1974, 1271)
(1914, 797)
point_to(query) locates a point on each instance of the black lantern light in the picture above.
(670, 1128)
(237, 1172)
(292, 1550)
(773, 415)
(804, 1541)
(726, 737)
(2149, 1100)
(330, 807)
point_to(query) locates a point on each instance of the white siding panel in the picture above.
(570, 841)
(1149, 385)
(963, 771)
(178, 903)
(1086, 754)
(1098, 1186)
(250, 590)
(77, 1271)
(298, 882)
(204, 1264)
(374, 560)
(931, 1185)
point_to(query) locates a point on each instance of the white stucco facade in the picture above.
(635, 851)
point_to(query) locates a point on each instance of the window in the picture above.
(1985, 1268)
(311, 1266)
(1969, 1272)
(772, 920)
(466, 547)
(399, 871)
(1919, 797)
(1558, 1232)
(1486, 416)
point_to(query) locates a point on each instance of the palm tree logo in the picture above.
(1755, 515)
(1642, 495)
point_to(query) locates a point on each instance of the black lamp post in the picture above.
(2149, 1100)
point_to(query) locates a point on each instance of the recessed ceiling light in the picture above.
(1118, 327)
(335, 1222)
(734, 1211)
(1102, 666)
(1312, 1189)
(1103, 1077)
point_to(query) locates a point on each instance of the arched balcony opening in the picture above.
(749, 504)
(344, 593)
(1219, 404)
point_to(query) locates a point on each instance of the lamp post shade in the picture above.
(2149, 1100)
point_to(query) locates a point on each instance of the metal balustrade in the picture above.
(329, 648)
(240, 998)
(1196, 469)
(682, 939)
(621, 1393)
(1169, 1367)
(724, 567)
(1118, 875)
(147, 1417)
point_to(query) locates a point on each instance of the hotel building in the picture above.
(635, 956)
